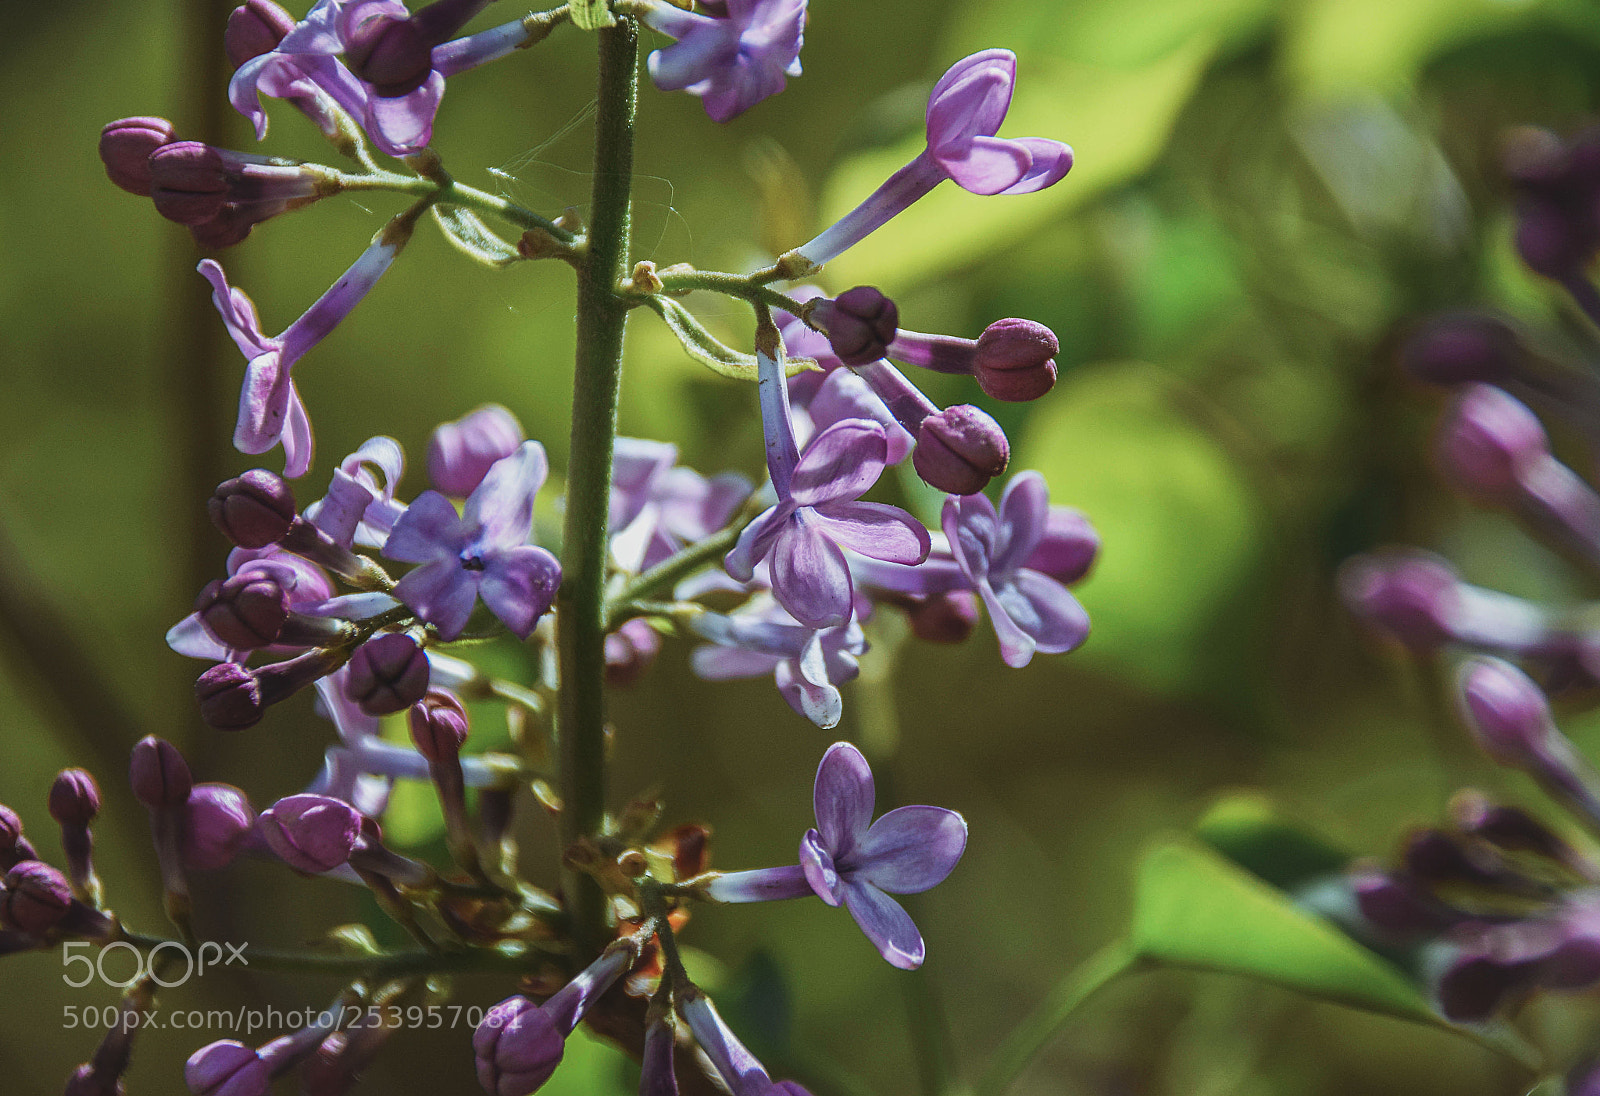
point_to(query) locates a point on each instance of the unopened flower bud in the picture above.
(1475, 986)
(438, 725)
(246, 611)
(1489, 440)
(125, 148)
(629, 652)
(158, 773)
(387, 674)
(1068, 548)
(516, 1048)
(461, 453)
(86, 1080)
(1397, 907)
(944, 618)
(34, 898)
(1413, 597)
(191, 182)
(960, 449)
(230, 697)
(218, 819)
(253, 510)
(13, 846)
(311, 833)
(390, 53)
(227, 1068)
(74, 798)
(254, 28)
(860, 323)
(1016, 360)
(1507, 712)
(1463, 347)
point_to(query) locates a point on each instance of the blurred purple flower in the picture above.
(809, 664)
(731, 61)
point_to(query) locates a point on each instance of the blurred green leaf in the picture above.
(590, 1067)
(1248, 829)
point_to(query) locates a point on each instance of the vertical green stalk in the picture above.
(580, 606)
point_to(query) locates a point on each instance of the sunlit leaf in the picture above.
(592, 14)
(466, 230)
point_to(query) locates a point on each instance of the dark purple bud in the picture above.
(1572, 964)
(1413, 597)
(860, 324)
(253, 510)
(34, 898)
(1548, 240)
(960, 449)
(1068, 548)
(944, 618)
(1016, 360)
(125, 148)
(246, 611)
(188, 182)
(1435, 857)
(230, 697)
(1507, 712)
(231, 225)
(389, 53)
(1515, 829)
(438, 725)
(461, 452)
(254, 28)
(1397, 907)
(1463, 347)
(516, 1048)
(159, 774)
(630, 650)
(74, 798)
(86, 1080)
(227, 1068)
(1475, 986)
(657, 1076)
(1488, 440)
(11, 839)
(217, 823)
(387, 674)
(311, 833)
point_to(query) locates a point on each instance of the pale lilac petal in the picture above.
(467, 53)
(688, 61)
(972, 97)
(755, 541)
(502, 505)
(340, 299)
(985, 165)
(263, 404)
(1016, 645)
(843, 797)
(761, 885)
(675, 22)
(810, 577)
(1046, 610)
(910, 849)
(713, 663)
(637, 464)
(1024, 515)
(518, 585)
(339, 512)
(819, 868)
(844, 395)
(402, 125)
(972, 527)
(822, 704)
(192, 639)
(429, 529)
(693, 506)
(842, 462)
(874, 529)
(441, 593)
(238, 314)
(1051, 162)
(296, 438)
(355, 727)
(886, 924)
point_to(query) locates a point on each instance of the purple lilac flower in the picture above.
(230, 1068)
(740, 1071)
(307, 58)
(218, 821)
(270, 411)
(460, 453)
(818, 514)
(809, 664)
(304, 584)
(482, 552)
(657, 509)
(360, 506)
(964, 112)
(731, 61)
(853, 860)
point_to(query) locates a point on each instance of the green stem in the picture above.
(453, 193)
(676, 567)
(596, 389)
(734, 285)
(1035, 1032)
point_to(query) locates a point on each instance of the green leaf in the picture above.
(1248, 830)
(710, 351)
(1193, 908)
(592, 14)
(467, 231)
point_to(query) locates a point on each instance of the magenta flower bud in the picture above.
(1415, 598)
(13, 846)
(1489, 440)
(944, 618)
(1015, 361)
(517, 1048)
(217, 823)
(860, 323)
(461, 453)
(1507, 712)
(253, 510)
(125, 149)
(311, 833)
(232, 225)
(246, 611)
(1546, 240)
(227, 1068)
(74, 798)
(230, 697)
(254, 28)
(1397, 907)
(1068, 548)
(438, 725)
(960, 449)
(629, 652)
(390, 53)
(387, 674)
(159, 774)
(191, 182)
(34, 898)
(657, 1076)
(1462, 347)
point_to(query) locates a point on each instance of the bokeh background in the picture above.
(1268, 193)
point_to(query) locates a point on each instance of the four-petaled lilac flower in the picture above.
(482, 552)
(730, 61)
(1030, 611)
(809, 664)
(270, 410)
(853, 860)
(964, 113)
(656, 508)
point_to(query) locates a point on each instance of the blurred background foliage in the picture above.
(1267, 194)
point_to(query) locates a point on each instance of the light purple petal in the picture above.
(1051, 162)
(820, 703)
(192, 639)
(1046, 610)
(910, 849)
(402, 125)
(238, 314)
(713, 663)
(263, 404)
(842, 798)
(502, 505)
(1024, 515)
(819, 868)
(810, 577)
(518, 586)
(442, 593)
(1016, 645)
(296, 439)
(972, 527)
(636, 467)
(986, 165)
(339, 511)
(694, 57)
(886, 924)
(429, 529)
(761, 885)
(875, 529)
(971, 98)
(755, 542)
(842, 462)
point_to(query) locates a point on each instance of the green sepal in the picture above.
(466, 230)
(710, 351)
(592, 14)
